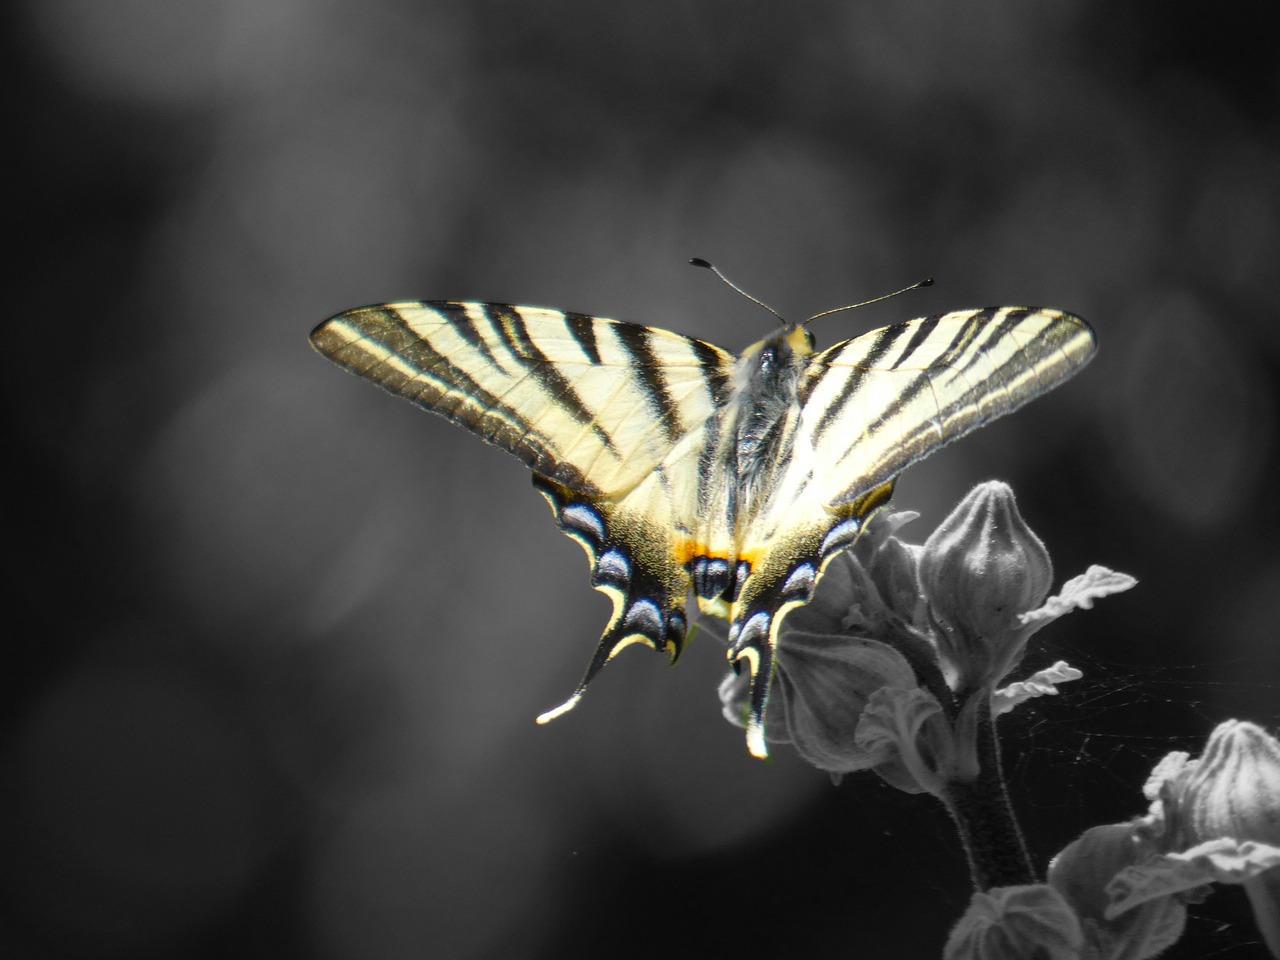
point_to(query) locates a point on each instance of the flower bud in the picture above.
(1234, 789)
(1217, 820)
(894, 574)
(980, 569)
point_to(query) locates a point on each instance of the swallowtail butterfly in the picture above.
(681, 466)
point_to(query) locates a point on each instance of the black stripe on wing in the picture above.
(465, 325)
(922, 333)
(377, 344)
(900, 400)
(884, 340)
(544, 370)
(583, 330)
(648, 373)
(967, 335)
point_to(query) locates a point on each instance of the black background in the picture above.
(276, 640)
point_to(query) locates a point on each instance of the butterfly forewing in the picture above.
(875, 405)
(592, 403)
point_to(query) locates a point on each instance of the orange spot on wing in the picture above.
(688, 550)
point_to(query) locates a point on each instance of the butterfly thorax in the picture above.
(765, 403)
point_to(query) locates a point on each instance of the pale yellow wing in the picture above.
(590, 403)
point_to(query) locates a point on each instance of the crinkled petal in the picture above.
(891, 733)
(1080, 592)
(1230, 861)
(1008, 923)
(1171, 767)
(1042, 683)
(1223, 860)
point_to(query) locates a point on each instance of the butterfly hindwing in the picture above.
(635, 561)
(785, 576)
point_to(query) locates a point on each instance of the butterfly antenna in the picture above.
(926, 282)
(699, 262)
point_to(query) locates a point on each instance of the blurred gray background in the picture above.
(277, 639)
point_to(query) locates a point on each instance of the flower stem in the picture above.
(980, 807)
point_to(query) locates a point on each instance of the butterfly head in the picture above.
(798, 339)
(787, 351)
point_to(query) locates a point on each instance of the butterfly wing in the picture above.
(877, 404)
(869, 408)
(612, 418)
(593, 404)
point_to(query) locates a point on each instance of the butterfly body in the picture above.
(680, 467)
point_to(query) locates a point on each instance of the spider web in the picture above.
(1080, 759)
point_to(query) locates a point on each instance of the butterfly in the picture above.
(682, 467)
